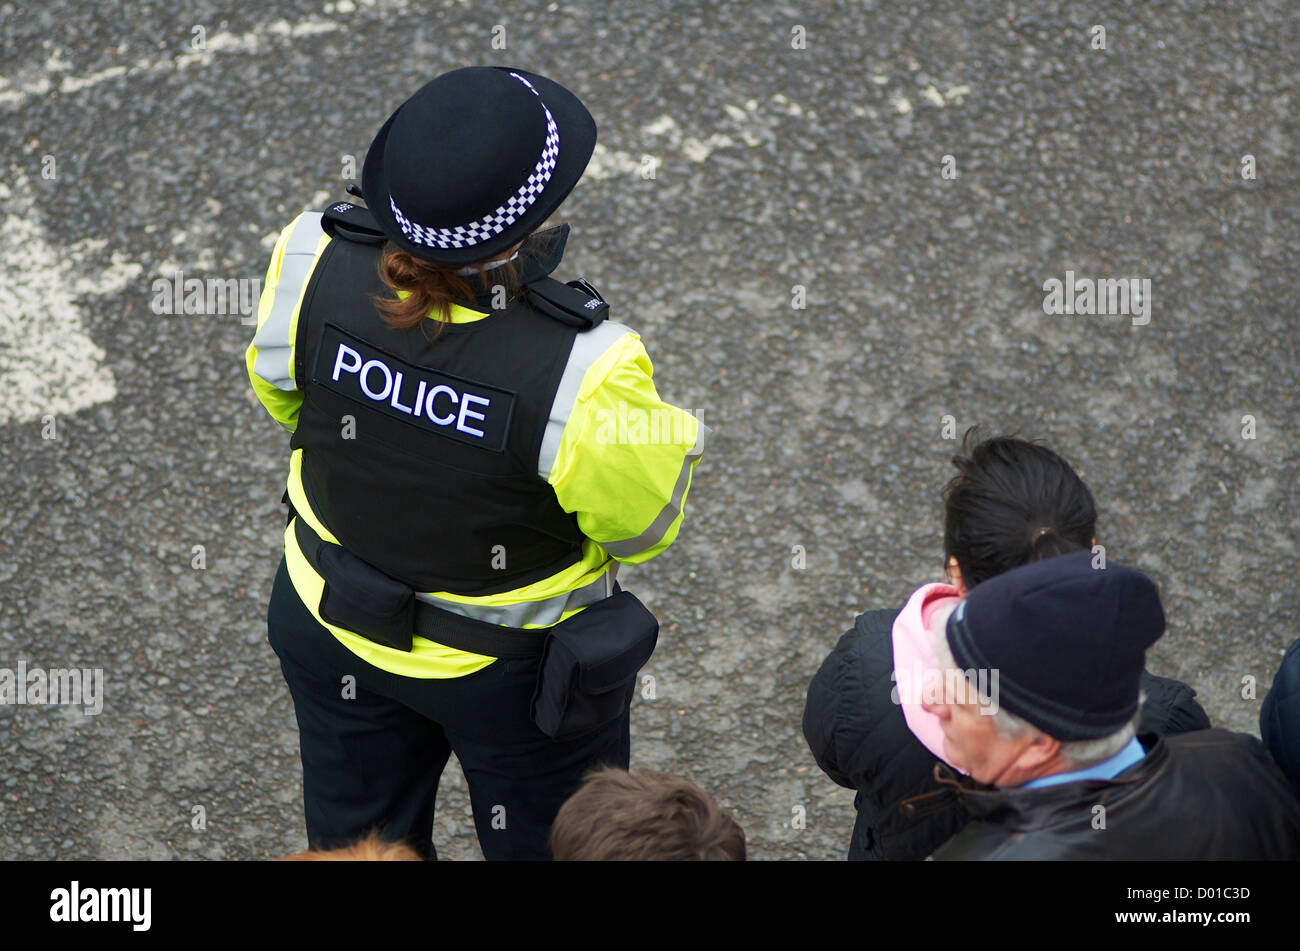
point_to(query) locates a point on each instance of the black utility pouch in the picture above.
(588, 664)
(361, 598)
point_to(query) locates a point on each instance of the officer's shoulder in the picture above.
(576, 304)
(300, 224)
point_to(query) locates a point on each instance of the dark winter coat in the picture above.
(1204, 795)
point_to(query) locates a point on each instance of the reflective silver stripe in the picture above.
(668, 514)
(542, 613)
(587, 349)
(273, 342)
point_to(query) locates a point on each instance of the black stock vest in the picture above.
(421, 455)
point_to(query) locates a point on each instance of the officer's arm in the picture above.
(270, 357)
(623, 460)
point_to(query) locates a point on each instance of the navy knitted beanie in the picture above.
(1068, 641)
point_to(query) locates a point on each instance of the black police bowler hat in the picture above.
(474, 161)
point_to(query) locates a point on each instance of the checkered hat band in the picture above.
(492, 224)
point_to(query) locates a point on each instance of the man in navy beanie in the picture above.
(1040, 704)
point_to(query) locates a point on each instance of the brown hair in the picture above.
(620, 816)
(432, 288)
(370, 849)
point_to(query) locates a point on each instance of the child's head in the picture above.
(1012, 502)
(643, 816)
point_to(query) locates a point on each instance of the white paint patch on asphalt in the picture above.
(78, 83)
(48, 363)
(954, 94)
(16, 92)
(611, 163)
(932, 94)
(751, 124)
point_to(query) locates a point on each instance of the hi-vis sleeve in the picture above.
(618, 456)
(269, 358)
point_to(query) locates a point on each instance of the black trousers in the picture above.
(373, 761)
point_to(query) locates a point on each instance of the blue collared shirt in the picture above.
(1107, 769)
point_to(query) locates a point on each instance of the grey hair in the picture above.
(1078, 753)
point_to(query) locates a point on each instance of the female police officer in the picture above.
(474, 451)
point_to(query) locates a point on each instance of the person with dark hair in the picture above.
(643, 816)
(1011, 503)
(471, 462)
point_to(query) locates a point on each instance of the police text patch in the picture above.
(472, 413)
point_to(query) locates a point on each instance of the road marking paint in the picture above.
(48, 363)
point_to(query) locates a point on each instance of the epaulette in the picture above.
(577, 303)
(352, 223)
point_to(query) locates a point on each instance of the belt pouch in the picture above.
(588, 663)
(361, 598)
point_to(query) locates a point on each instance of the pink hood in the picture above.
(924, 616)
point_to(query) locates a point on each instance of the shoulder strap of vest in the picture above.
(352, 223)
(576, 304)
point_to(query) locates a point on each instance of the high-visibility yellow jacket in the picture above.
(618, 457)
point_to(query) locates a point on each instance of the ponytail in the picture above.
(429, 289)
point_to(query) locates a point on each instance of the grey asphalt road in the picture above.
(741, 158)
